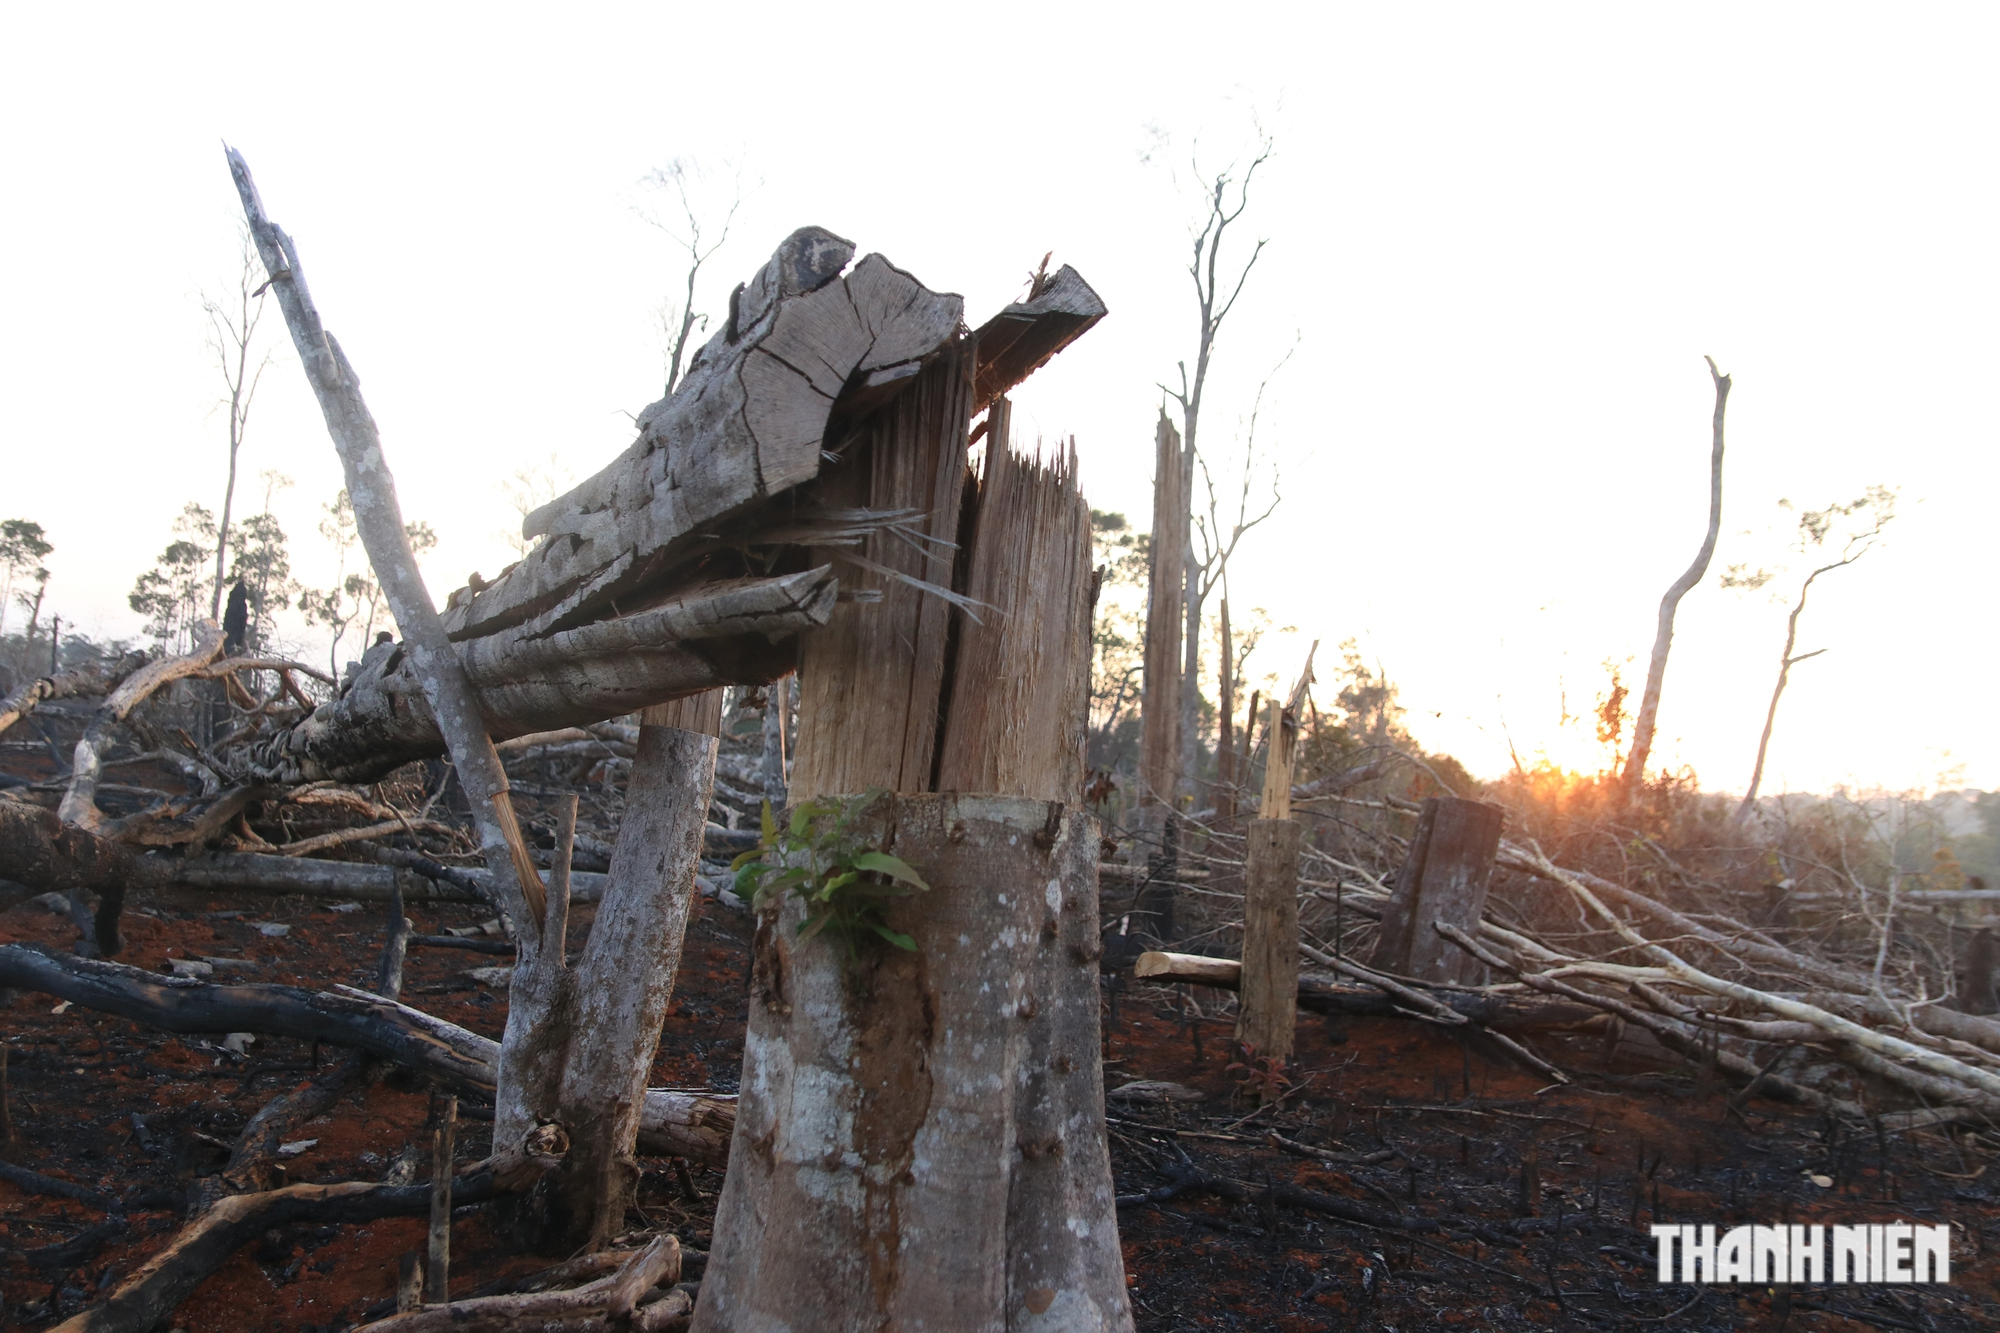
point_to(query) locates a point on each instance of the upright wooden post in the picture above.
(1443, 878)
(625, 979)
(1160, 716)
(437, 1275)
(1268, 1014)
(920, 1138)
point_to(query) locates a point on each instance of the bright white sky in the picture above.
(1505, 236)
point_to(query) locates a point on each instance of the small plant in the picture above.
(1259, 1076)
(845, 886)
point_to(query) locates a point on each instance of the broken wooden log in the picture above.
(143, 1300)
(619, 1302)
(79, 802)
(1444, 878)
(740, 631)
(670, 1123)
(95, 678)
(1321, 995)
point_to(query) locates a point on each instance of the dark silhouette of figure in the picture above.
(236, 619)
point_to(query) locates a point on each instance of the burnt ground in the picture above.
(137, 1115)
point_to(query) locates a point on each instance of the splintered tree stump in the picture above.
(1269, 1012)
(1444, 878)
(916, 1149)
(921, 1135)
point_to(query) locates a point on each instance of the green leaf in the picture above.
(813, 925)
(770, 825)
(749, 858)
(900, 941)
(884, 864)
(802, 817)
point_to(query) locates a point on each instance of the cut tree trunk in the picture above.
(1269, 1010)
(1443, 878)
(922, 1138)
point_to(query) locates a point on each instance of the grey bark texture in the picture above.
(624, 981)
(913, 1152)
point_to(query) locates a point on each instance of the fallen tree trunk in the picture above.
(670, 1123)
(96, 678)
(1503, 1013)
(742, 632)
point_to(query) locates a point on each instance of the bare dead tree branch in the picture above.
(1663, 639)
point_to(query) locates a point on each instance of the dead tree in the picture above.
(1663, 638)
(1220, 213)
(1444, 878)
(921, 1140)
(231, 334)
(1813, 527)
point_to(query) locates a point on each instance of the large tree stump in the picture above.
(921, 1138)
(921, 1142)
(1443, 878)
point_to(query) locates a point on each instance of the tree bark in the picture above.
(1663, 638)
(922, 1145)
(625, 980)
(1443, 878)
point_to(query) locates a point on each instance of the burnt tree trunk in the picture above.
(922, 1138)
(1443, 878)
